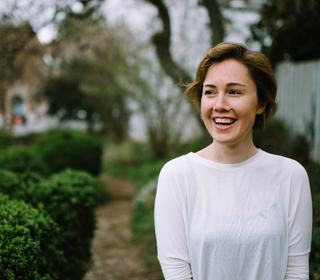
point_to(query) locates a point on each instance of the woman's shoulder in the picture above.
(178, 165)
(283, 164)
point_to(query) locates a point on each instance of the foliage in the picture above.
(28, 239)
(64, 93)
(5, 138)
(125, 161)
(293, 28)
(70, 149)
(8, 140)
(142, 221)
(70, 198)
(93, 70)
(314, 171)
(277, 138)
(10, 184)
(22, 158)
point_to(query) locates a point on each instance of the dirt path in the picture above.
(114, 257)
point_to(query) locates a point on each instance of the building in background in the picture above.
(23, 73)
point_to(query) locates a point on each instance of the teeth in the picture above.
(227, 121)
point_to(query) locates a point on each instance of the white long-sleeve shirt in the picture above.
(246, 221)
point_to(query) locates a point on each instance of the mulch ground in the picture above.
(114, 257)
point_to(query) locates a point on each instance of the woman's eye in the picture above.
(209, 92)
(234, 92)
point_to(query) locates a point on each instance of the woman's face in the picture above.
(229, 103)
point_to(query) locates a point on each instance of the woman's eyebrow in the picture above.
(235, 84)
(209, 85)
(228, 85)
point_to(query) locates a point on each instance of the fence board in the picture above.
(299, 99)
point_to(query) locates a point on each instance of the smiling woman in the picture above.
(229, 105)
(232, 211)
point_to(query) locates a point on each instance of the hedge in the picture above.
(62, 149)
(53, 152)
(70, 198)
(21, 159)
(28, 239)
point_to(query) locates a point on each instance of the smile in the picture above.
(224, 121)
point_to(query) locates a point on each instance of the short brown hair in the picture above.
(260, 71)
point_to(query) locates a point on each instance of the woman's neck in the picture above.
(228, 154)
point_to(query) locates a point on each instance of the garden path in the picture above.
(114, 257)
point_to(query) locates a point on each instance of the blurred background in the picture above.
(113, 71)
(114, 67)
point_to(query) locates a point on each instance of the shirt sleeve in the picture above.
(171, 225)
(300, 227)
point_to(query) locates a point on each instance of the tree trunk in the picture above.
(162, 44)
(216, 23)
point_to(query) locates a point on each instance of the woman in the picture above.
(232, 211)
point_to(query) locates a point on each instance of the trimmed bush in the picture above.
(70, 197)
(28, 239)
(21, 159)
(5, 138)
(9, 183)
(71, 149)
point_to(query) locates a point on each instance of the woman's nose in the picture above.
(221, 103)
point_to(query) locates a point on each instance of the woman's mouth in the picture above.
(224, 121)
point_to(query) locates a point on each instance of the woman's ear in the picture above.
(261, 108)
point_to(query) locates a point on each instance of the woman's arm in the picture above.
(171, 225)
(300, 227)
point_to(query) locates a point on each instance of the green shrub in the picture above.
(10, 183)
(314, 177)
(6, 139)
(71, 149)
(70, 197)
(28, 239)
(278, 138)
(29, 139)
(20, 159)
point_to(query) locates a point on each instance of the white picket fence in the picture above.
(299, 98)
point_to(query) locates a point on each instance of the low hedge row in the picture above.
(21, 159)
(54, 152)
(28, 238)
(73, 149)
(70, 198)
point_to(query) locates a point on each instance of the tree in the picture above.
(162, 42)
(18, 37)
(160, 104)
(289, 30)
(90, 57)
(162, 39)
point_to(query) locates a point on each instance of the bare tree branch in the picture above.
(216, 23)
(162, 43)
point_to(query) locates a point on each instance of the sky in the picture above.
(189, 20)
